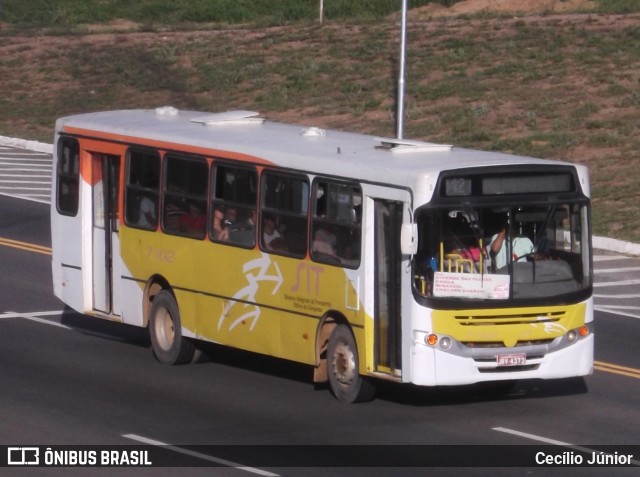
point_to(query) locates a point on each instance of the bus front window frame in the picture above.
(545, 255)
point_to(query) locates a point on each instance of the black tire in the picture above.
(169, 346)
(342, 362)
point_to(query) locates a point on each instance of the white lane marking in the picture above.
(615, 284)
(31, 197)
(25, 188)
(534, 437)
(199, 455)
(19, 157)
(617, 270)
(620, 307)
(554, 442)
(605, 258)
(635, 295)
(20, 172)
(34, 317)
(12, 314)
(605, 309)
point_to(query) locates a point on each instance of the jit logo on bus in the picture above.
(248, 293)
(310, 268)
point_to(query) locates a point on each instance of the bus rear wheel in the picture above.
(344, 379)
(169, 346)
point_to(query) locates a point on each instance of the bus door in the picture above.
(387, 284)
(105, 170)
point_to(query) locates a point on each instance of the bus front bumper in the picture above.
(432, 366)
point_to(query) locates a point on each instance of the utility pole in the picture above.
(403, 45)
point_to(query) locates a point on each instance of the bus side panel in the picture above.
(70, 277)
(271, 304)
(68, 283)
(242, 298)
(131, 295)
(136, 266)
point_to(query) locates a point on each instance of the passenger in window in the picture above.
(174, 209)
(269, 231)
(279, 245)
(231, 216)
(520, 247)
(219, 230)
(147, 213)
(324, 242)
(243, 231)
(351, 253)
(194, 221)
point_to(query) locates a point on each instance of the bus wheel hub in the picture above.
(344, 367)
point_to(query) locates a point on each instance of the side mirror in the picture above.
(409, 239)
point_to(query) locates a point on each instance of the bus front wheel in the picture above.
(346, 383)
(169, 346)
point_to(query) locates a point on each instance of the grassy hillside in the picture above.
(558, 86)
(67, 13)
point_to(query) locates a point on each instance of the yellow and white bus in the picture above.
(366, 258)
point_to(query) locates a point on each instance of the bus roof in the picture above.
(291, 146)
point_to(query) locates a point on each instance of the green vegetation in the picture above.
(68, 13)
(547, 86)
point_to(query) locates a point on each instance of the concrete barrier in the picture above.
(24, 144)
(615, 245)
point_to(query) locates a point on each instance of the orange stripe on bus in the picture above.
(137, 141)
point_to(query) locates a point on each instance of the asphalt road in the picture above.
(73, 380)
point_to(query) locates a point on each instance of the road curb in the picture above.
(615, 245)
(600, 243)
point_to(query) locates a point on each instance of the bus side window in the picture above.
(185, 196)
(233, 202)
(336, 223)
(142, 189)
(283, 213)
(68, 176)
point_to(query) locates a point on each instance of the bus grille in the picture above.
(511, 319)
(500, 344)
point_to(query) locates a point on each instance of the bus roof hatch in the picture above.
(229, 117)
(407, 145)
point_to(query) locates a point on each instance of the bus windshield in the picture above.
(504, 253)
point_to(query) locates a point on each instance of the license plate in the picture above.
(512, 359)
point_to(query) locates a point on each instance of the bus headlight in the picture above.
(578, 333)
(433, 339)
(445, 342)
